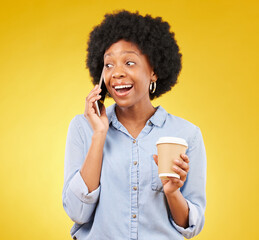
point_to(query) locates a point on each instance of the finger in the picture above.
(155, 159)
(94, 89)
(94, 98)
(176, 181)
(90, 108)
(185, 158)
(164, 181)
(93, 93)
(180, 171)
(90, 102)
(183, 165)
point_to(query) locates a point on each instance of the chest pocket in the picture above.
(156, 182)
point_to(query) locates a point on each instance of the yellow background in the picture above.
(44, 84)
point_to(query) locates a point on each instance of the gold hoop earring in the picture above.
(152, 88)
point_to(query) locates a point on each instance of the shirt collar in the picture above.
(112, 116)
(157, 119)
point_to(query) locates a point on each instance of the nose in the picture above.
(118, 73)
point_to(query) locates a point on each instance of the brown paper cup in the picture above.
(169, 149)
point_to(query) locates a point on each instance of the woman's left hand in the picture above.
(181, 167)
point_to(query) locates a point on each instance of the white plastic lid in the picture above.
(175, 140)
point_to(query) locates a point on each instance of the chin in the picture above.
(124, 104)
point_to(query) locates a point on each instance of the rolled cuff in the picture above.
(195, 225)
(79, 188)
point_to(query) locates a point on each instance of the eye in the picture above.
(130, 63)
(108, 65)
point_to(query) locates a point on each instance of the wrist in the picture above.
(99, 135)
(174, 194)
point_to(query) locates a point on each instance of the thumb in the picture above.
(155, 159)
(103, 111)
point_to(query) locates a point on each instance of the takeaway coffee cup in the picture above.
(169, 149)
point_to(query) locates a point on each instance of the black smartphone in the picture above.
(100, 102)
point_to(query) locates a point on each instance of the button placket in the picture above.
(134, 192)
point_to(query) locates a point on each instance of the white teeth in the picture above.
(122, 86)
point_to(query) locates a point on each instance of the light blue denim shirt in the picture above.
(130, 203)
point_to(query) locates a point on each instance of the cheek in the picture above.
(139, 74)
(144, 80)
(107, 77)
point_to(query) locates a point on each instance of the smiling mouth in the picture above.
(123, 88)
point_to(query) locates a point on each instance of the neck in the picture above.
(135, 115)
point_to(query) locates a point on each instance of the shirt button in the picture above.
(135, 162)
(135, 188)
(134, 141)
(134, 215)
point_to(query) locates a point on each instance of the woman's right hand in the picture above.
(99, 124)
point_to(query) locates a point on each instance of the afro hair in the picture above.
(151, 35)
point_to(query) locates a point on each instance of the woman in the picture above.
(112, 189)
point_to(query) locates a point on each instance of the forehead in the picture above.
(122, 47)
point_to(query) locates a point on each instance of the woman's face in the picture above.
(128, 74)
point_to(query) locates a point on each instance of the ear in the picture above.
(153, 77)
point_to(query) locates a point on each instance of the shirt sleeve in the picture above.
(78, 203)
(194, 187)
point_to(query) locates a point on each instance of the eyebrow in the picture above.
(124, 52)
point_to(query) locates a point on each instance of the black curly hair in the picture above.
(151, 35)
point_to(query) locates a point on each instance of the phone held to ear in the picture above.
(99, 103)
